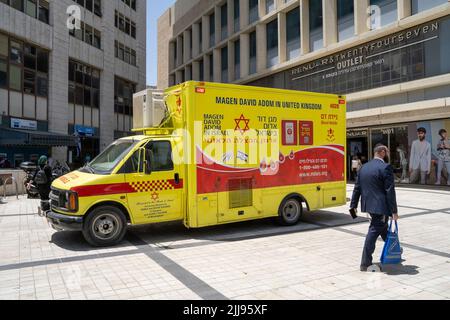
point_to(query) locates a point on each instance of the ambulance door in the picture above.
(158, 186)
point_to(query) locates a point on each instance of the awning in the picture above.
(14, 137)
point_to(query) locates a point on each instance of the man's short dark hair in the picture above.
(442, 131)
(422, 129)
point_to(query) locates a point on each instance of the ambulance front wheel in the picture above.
(290, 212)
(105, 226)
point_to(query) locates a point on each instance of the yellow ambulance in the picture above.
(211, 154)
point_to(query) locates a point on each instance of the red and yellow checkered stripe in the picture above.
(155, 185)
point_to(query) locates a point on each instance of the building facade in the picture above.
(68, 70)
(389, 57)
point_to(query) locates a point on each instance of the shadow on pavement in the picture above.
(74, 241)
(169, 232)
(400, 269)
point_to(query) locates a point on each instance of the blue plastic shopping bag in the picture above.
(392, 251)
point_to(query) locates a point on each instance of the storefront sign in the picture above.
(84, 131)
(23, 124)
(357, 133)
(367, 55)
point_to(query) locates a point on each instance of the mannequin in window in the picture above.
(403, 163)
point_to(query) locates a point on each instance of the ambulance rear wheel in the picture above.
(290, 212)
(105, 226)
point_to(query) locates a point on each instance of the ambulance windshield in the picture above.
(108, 159)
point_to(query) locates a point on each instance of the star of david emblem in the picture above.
(244, 122)
(155, 196)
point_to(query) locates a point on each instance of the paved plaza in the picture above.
(317, 259)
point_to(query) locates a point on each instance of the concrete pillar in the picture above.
(179, 51)
(178, 77)
(279, 3)
(282, 54)
(172, 61)
(261, 47)
(188, 73)
(205, 33)
(304, 26)
(196, 70)
(245, 54)
(196, 50)
(244, 12)
(231, 61)
(187, 46)
(329, 8)
(230, 23)
(404, 9)
(361, 16)
(217, 64)
(262, 8)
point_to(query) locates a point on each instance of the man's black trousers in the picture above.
(378, 227)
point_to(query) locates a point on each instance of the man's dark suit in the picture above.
(376, 188)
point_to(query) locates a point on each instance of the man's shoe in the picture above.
(363, 268)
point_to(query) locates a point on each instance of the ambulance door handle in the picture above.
(177, 178)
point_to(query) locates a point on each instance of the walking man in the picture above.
(420, 162)
(376, 188)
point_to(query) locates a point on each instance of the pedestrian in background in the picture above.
(443, 156)
(375, 187)
(356, 166)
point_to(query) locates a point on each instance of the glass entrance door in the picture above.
(396, 139)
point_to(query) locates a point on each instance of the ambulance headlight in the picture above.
(71, 201)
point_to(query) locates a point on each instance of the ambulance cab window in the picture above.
(160, 156)
(132, 165)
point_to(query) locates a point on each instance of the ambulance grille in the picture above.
(241, 193)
